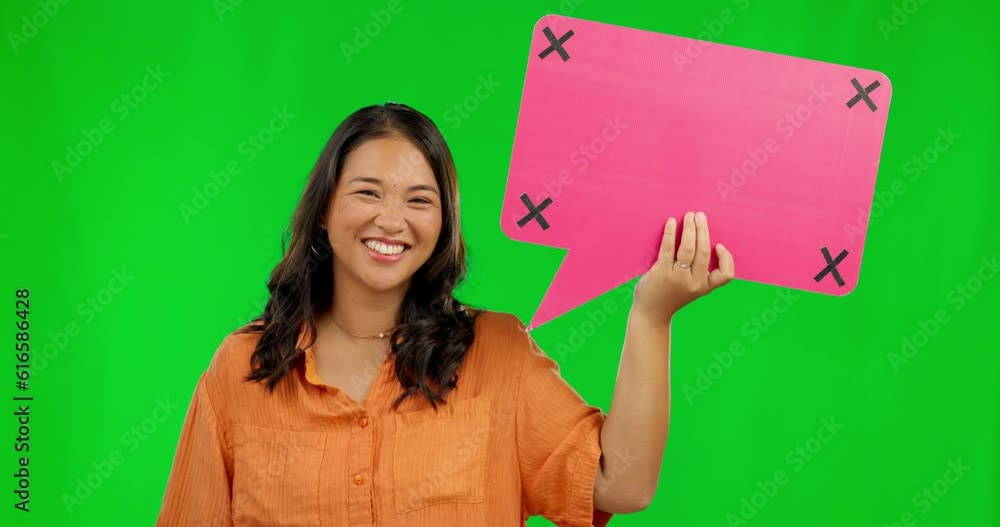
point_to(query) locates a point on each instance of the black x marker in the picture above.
(556, 44)
(831, 266)
(863, 94)
(534, 213)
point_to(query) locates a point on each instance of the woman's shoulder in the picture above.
(504, 334)
(231, 361)
(494, 324)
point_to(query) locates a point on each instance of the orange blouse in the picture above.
(514, 440)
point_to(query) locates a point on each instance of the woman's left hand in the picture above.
(676, 280)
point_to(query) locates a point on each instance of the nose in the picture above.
(390, 219)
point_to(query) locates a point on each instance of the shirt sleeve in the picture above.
(558, 441)
(198, 489)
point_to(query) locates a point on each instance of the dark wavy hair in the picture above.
(434, 329)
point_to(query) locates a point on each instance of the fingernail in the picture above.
(701, 217)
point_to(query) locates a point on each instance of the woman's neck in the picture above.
(364, 313)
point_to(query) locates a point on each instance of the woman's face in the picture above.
(384, 217)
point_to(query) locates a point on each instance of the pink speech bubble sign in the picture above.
(621, 128)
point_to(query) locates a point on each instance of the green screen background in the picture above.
(191, 279)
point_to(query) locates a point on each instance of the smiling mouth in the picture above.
(387, 249)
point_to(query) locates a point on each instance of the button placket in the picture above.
(361, 458)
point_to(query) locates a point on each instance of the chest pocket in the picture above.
(276, 477)
(441, 457)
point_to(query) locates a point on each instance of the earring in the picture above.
(320, 235)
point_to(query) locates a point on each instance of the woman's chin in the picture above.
(385, 285)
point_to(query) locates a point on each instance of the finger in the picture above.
(686, 252)
(668, 241)
(726, 270)
(703, 248)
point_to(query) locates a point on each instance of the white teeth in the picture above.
(382, 248)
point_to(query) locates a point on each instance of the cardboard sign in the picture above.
(619, 129)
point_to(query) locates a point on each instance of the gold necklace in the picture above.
(379, 335)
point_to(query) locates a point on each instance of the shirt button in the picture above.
(359, 479)
(363, 422)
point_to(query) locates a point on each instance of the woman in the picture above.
(366, 394)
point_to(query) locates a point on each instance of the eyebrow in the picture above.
(376, 181)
